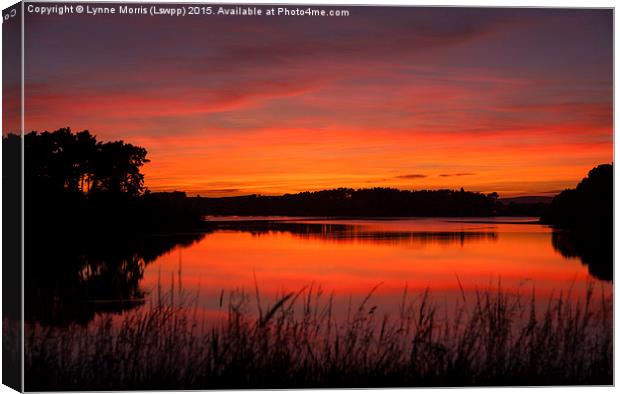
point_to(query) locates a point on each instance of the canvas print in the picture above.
(234, 196)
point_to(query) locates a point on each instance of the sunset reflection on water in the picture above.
(348, 258)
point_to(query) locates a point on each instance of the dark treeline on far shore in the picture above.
(374, 202)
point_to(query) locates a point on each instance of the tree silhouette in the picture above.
(583, 221)
(66, 162)
(588, 206)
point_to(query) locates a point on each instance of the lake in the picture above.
(347, 259)
(451, 257)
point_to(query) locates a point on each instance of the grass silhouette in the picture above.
(497, 338)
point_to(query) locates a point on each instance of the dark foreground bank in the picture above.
(495, 339)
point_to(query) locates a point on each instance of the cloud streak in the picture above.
(457, 174)
(412, 176)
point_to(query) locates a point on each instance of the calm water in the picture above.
(351, 257)
(346, 258)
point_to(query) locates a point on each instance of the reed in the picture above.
(496, 338)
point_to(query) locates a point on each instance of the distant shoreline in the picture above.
(283, 218)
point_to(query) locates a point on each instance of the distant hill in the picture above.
(523, 205)
(527, 200)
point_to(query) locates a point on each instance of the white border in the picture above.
(457, 3)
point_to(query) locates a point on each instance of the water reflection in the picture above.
(354, 233)
(595, 250)
(73, 280)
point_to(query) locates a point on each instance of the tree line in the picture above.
(375, 202)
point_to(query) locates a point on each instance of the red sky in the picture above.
(517, 101)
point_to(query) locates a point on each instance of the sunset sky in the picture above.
(517, 101)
